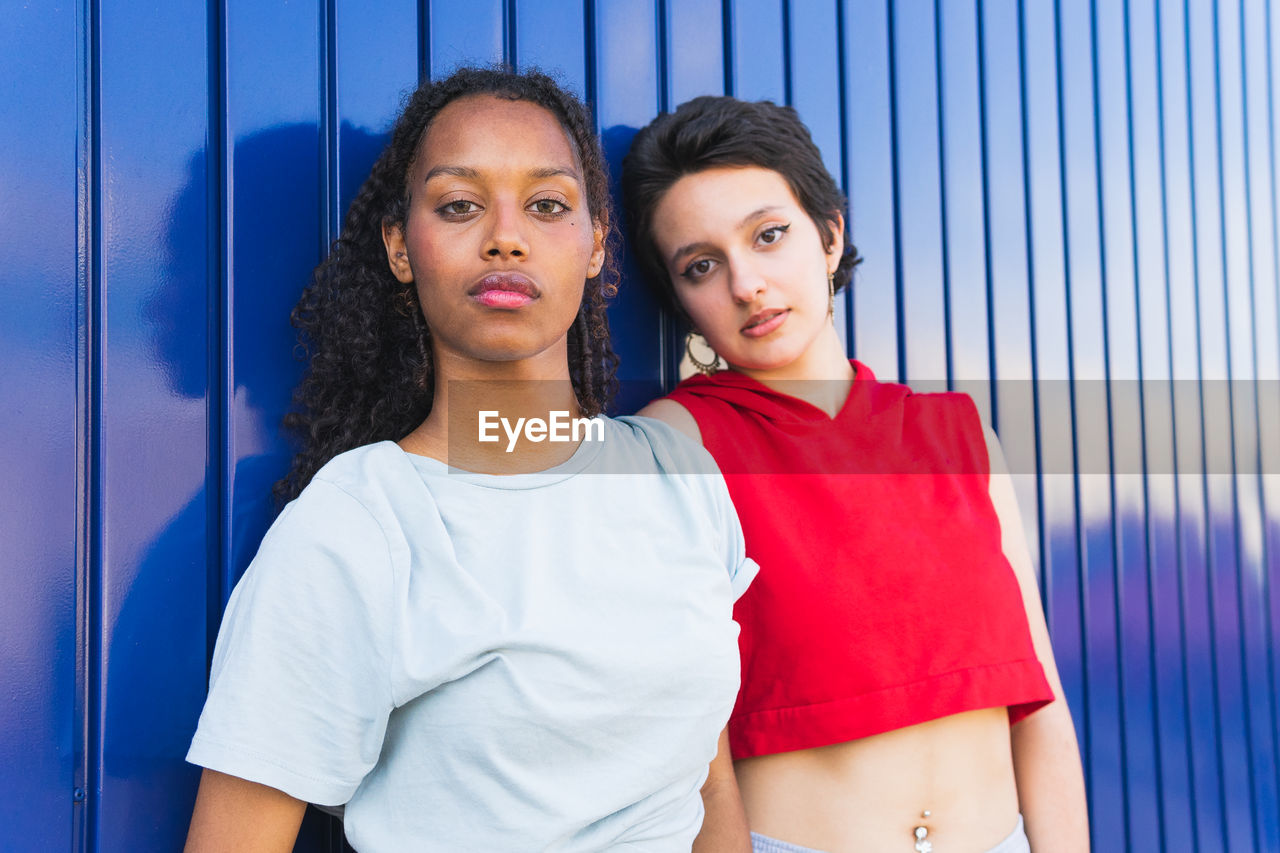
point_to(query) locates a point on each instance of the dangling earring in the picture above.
(831, 295)
(703, 367)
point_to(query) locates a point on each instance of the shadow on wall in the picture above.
(276, 230)
(634, 316)
(276, 236)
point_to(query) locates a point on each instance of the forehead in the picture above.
(493, 134)
(737, 184)
(703, 204)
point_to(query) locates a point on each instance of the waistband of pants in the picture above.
(1015, 842)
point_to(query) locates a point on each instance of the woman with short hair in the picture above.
(899, 690)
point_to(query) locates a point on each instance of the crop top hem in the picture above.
(837, 721)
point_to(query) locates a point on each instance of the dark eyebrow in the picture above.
(456, 171)
(688, 250)
(474, 175)
(697, 247)
(555, 171)
(768, 208)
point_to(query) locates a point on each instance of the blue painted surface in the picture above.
(1054, 199)
(459, 33)
(1172, 781)
(1048, 270)
(1223, 650)
(1154, 725)
(1087, 366)
(1133, 722)
(148, 595)
(1006, 253)
(553, 36)
(693, 67)
(41, 744)
(1203, 801)
(628, 93)
(757, 48)
(918, 187)
(1254, 698)
(962, 178)
(869, 183)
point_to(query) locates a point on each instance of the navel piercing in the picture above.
(923, 844)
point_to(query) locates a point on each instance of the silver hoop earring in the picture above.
(703, 367)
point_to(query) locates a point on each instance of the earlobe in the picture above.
(835, 250)
(597, 252)
(397, 255)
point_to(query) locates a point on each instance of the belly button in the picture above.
(923, 844)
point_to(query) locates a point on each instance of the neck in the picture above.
(821, 376)
(484, 413)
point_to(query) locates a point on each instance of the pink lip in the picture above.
(762, 323)
(504, 290)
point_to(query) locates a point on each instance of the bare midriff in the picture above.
(870, 794)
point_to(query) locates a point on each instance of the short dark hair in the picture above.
(716, 131)
(370, 375)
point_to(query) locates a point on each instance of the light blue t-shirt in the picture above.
(490, 663)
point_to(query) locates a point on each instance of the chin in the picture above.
(774, 359)
(513, 347)
(506, 353)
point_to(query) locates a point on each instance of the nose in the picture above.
(506, 237)
(745, 281)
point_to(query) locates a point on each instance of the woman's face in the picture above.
(748, 264)
(498, 238)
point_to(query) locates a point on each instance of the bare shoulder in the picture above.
(995, 454)
(673, 415)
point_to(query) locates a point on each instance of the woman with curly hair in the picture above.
(899, 691)
(474, 648)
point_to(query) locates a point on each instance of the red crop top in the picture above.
(884, 598)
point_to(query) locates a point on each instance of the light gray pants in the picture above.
(1015, 843)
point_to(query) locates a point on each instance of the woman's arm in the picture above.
(1046, 758)
(724, 824)
(234, 814)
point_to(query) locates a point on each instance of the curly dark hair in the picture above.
(370, 376)
(714, 131)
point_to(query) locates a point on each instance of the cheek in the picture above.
(703, 308)
(583, 239)
(428, 248)
(801, 270)
(566, 256)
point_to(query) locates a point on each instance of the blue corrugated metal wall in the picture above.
(1064, 196)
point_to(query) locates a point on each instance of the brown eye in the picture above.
(549, 207)
(698, 268)
(769, 236)
(458, 207)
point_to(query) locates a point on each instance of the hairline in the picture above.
(574, 149)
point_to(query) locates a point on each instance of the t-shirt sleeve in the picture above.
(681, 456)
(300, 689)
(742, 569)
